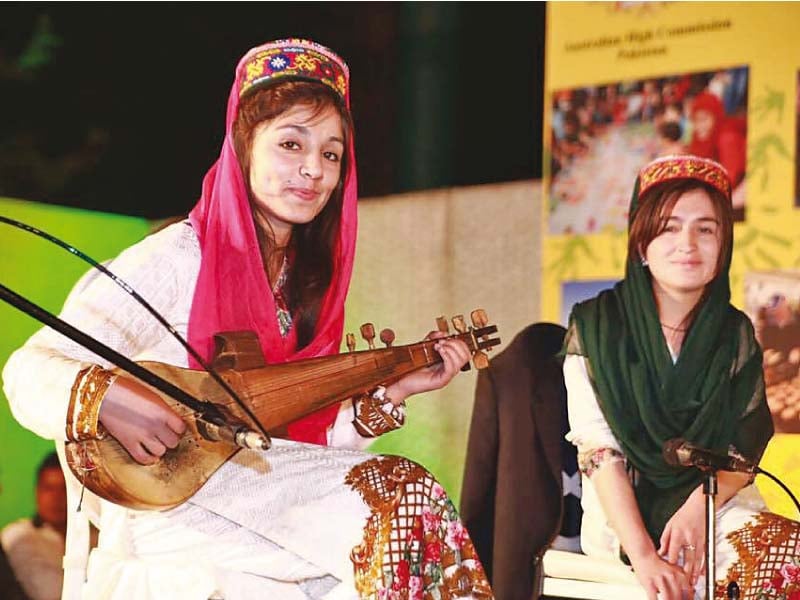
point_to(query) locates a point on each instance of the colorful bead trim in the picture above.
(684, 167)
(294, 58)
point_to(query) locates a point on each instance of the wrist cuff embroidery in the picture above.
(88, 391)
(589, 462)
(376, 414)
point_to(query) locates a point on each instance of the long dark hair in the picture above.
(652, 217)
(312, 245)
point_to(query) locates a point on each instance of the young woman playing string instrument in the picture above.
(664, 355)
(269, 247)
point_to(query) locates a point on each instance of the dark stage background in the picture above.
(120, 107)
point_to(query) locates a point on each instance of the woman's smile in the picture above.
(307, 194)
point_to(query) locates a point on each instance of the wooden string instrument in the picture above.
(276, 394)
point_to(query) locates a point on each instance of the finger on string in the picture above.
(141, 455)
(451, 359)
(459, 348)
(168, 437)
(154, 446)
(175, 423)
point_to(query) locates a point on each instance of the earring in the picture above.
(644, 262)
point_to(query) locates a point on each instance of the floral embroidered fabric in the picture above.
(769, 559)
(590, 462)
(415, 546)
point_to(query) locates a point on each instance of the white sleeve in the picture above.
(35, 557)
(343, 434)
(38, 378)
(589, 430)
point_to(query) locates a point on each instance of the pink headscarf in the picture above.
(233, 292)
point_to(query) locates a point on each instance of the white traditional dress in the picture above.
(299, 520)
(279, 524)
(592, 436)
(629, 393)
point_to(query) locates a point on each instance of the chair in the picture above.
(575, 575)
(521, 488)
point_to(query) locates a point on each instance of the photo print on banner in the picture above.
(602, 135)
(797, 144)
(772, 301)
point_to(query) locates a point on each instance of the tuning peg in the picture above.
(480, 360)
(461, 327)
(479, 318)
(441, 325)
(387, 337)
(351, 342)
(368, 333)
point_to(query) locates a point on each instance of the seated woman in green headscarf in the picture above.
(664, 355)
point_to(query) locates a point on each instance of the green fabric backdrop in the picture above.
(44, 274)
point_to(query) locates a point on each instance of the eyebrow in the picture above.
(710, 219)
(305, 131)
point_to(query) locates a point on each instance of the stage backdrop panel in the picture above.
(445, 252)
(44, 274)
(629, 81)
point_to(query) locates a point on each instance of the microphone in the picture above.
(680, 453)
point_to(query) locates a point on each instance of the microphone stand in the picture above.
(710, 491)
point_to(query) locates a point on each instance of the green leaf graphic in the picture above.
(761, 153)
(772, 100)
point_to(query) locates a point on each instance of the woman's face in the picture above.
(703, 122)
(295, 166)
(51, 496)
(683, 258)
(672, 114)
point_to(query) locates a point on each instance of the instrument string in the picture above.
(125, 286)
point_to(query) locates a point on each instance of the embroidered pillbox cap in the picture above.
(293, 59)
(684, 166)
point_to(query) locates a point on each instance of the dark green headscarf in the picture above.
(713, 396)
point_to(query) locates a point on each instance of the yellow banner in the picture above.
(629, 81)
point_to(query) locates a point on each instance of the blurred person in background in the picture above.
(35, 547)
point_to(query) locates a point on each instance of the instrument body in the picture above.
(276, 395)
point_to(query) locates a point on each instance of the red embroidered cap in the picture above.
(684, 166)
(293, 59)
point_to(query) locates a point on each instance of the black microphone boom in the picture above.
(680, 453)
